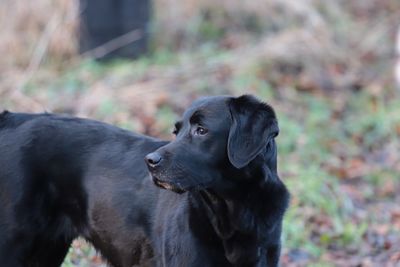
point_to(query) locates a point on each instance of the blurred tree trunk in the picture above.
(114, 28)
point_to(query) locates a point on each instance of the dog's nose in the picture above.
(153, 159)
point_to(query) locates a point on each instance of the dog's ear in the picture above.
(254, 125)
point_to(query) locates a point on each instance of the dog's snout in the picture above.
(153, 159)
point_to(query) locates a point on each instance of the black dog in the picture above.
(224, 158)
(63, 177)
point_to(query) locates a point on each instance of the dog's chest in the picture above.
(176, 242)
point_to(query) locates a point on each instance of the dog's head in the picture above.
(217, 138)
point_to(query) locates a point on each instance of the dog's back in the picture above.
(13, 120)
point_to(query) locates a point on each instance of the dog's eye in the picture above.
(200, 131)
(175, 131)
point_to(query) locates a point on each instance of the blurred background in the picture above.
(326, 66)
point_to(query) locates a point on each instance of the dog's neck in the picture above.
(237, 217)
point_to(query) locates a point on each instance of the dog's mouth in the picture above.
(168, 186)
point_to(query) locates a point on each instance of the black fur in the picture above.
(224, 159)
(63, 177)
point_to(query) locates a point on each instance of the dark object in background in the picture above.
(114, 28)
